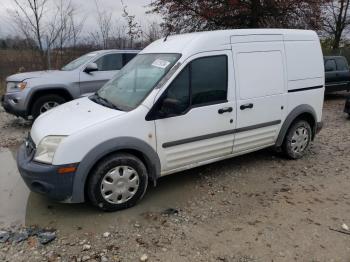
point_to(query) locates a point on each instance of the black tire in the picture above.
(290, 149)
(94, 184)
(41, 101)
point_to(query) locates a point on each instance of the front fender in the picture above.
(106, 148)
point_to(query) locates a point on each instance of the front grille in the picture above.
(30, 145)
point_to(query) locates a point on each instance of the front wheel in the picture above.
(46, 103)
(297, 140)
(119, 181)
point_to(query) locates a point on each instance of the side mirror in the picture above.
(170, 107)
(92, 67)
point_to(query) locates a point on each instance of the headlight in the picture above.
(15, 86)
(46, 149)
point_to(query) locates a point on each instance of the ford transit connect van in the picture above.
(184, 101)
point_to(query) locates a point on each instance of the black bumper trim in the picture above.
(45, 179)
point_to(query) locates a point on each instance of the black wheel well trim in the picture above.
(130, 145)
(51, 91)
(305, 112)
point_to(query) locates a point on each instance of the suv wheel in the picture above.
(297, 140)
(46, 103)
(118, 182)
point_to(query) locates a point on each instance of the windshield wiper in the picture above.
(103, 101)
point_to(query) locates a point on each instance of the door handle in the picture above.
(225, 110)
(247, 106)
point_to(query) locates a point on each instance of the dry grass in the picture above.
(15, 61)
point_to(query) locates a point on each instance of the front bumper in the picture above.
(347, 106)
(43, 178)
(13, 105)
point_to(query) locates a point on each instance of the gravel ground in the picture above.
(258, 207)
(12, 129)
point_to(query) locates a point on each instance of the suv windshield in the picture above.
(136, 80)
(78, 62)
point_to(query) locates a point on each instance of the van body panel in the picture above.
(260, 74)
(273, 76)
(304, 60)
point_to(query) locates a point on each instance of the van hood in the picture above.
(37, 74)
(70, 118)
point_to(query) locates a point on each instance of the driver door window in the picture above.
(202, 82)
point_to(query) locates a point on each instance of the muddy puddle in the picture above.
(18, 206)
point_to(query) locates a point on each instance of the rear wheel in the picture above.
(118, 182)
(46, 103)
(297, 140)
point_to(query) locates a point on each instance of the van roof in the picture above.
(222, 39)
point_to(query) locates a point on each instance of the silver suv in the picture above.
(31, 94)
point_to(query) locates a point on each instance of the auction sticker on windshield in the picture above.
(160, 63)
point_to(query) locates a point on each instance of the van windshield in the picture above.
(136, 80)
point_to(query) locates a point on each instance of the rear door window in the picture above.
(330, 65)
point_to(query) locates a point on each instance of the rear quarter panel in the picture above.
(305, 72)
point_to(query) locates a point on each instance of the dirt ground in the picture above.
(258, 207)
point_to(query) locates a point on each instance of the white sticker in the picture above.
(160, 63)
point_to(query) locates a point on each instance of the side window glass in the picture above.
(330, 66)
(128, 58)
(110, 62)
(177, 97)
(341, 64)
(209, 80)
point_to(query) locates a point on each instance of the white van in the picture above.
(184, 101)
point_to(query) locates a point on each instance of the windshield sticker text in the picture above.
(160, 63)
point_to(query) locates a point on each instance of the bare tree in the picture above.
(336, 20)
(134, 30)
(153, 32)
(76, 27)
(51, 24)
(104, 21)
(29, 19)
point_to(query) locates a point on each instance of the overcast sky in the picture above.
(86, 8)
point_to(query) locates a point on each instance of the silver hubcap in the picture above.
(300, 140)
(48, 106)
(120, 184)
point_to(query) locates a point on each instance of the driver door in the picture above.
(196, 113)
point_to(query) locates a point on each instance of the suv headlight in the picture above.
(46, 149)
(15, 86)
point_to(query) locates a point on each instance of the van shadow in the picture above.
(337, 96)
(173, 191)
